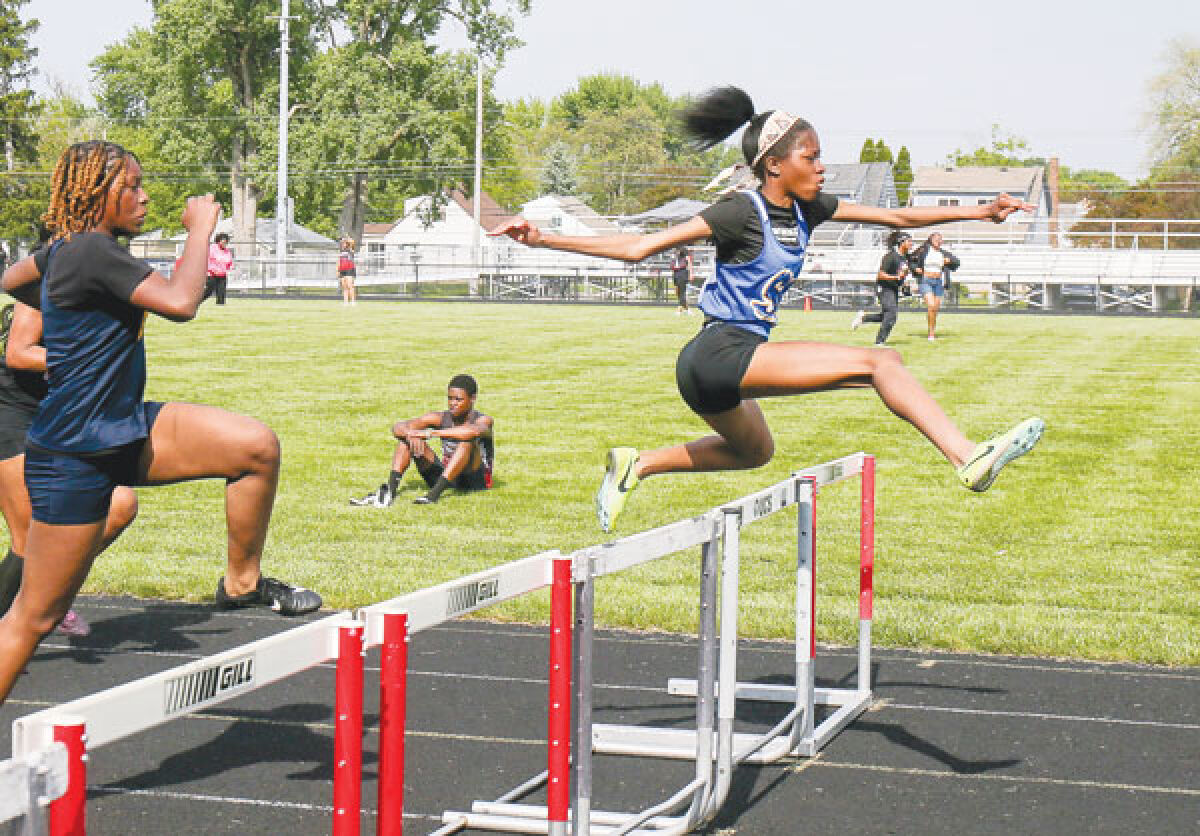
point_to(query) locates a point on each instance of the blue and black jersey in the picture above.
(95, 356)
(760, 251)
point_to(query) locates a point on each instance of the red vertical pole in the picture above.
(347, 733)
(559, 720)
(393, 698)
(866, 541)
(68, 814)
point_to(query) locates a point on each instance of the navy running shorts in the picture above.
(70, 489)
(711, 366)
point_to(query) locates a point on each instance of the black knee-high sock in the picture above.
(394, 480)
(10, 579)
(436, 491)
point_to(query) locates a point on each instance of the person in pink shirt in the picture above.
(220, 259)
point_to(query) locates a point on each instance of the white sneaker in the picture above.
(381, 497)
(858, 320)
(932, 338)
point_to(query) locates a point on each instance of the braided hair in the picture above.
(79, 187)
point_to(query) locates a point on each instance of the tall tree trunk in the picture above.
(354, 208)
(245, 199)
(245, 192)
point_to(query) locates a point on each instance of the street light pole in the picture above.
(476, 253)
(281, 202)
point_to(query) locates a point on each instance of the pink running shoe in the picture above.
(74, 624)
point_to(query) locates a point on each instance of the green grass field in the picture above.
(1086, 548)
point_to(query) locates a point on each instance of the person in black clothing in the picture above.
(94, 432)
(893, 273)
(22, 387)
(467, 449)
(681, 276)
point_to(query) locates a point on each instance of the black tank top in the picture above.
(449, 445)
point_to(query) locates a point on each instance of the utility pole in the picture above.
(476, 251)
(281, 200)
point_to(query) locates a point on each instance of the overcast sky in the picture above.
(934, 75)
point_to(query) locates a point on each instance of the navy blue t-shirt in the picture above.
(95, 357)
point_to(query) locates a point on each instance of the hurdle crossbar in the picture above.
(714, 746)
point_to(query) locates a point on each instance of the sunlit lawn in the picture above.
(1086, 548)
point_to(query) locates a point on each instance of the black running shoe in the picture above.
(275, 594)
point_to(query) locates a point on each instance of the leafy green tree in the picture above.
(17, 104)
(524, 134)
(624, 134)
(1005, 150)
(22, 194)
(1178, 198)
(199, 90)
(875, 151)
(902, 173)
(365, 148)
(561, 173)
(1175, 109)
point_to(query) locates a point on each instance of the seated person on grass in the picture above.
(467, 448)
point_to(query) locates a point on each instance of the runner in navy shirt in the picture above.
(730, 362)
(93, 432)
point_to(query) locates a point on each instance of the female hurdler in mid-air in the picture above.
(760, 238)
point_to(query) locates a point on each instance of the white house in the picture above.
(567, 216)
(437, 239)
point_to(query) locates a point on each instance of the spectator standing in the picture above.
(347, 272)
(932, 263)
(893, 272)
(681, 275)
(220, 260)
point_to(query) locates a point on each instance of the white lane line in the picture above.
(245, 802)
(1037, 715)
(1008, 779)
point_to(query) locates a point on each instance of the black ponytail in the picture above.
(717, 113)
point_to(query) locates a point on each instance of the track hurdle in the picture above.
(714, 745)
(75, 729)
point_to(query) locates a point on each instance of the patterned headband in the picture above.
(777, 124)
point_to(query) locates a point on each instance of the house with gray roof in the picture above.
(867, 184)
(976, 185)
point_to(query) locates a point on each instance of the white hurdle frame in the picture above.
(714, 746)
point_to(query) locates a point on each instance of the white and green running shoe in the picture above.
(988, 458)
(620, 478)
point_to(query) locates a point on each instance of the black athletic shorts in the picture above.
(472, 480)
(14, 426)
(352, 273)
(66, 489)
(710, 368)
